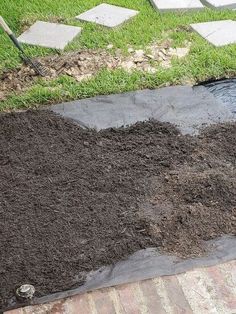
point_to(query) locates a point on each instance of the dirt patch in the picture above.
(73, 200)
(197, 200)
(82, 65)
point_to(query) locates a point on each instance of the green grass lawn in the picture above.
(203, 62)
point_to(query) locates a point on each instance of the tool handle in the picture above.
(5, 27)
(16, 42)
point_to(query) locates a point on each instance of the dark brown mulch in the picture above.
(72, 200)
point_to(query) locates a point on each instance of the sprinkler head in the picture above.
(25, 292)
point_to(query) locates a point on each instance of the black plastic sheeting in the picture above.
(224, 91)
(147, 264)
(190, 108)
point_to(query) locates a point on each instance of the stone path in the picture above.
(218, 33)
(107, 15)
(220, 4)
(53, 35)
(200, 291)
(167, 5)
(175, 5)
(50, 35)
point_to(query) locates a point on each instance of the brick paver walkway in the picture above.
(201, 291)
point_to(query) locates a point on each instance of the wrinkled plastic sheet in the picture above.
(189, 108)
(224, 91)
(147, 264)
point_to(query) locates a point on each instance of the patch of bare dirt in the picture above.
(196, 201)
(153, 55)
(82, 65)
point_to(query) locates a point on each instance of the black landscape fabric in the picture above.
(73, 200)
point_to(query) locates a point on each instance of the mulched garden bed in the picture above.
(73, 200)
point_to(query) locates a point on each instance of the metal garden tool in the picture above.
(37, 66)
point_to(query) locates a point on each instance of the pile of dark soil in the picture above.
(73, 200)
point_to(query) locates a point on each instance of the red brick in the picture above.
(57, 308)
(224, 293)
(103, 302)
(127, 299)
(178, 301)
(152, 299)
(78, 305)
(16, 311)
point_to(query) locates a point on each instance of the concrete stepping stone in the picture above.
(218, 33)
(177, 5)
(107, 15)
(220, 4)
(50, 35)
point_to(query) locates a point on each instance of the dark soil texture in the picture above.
(73, 200)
